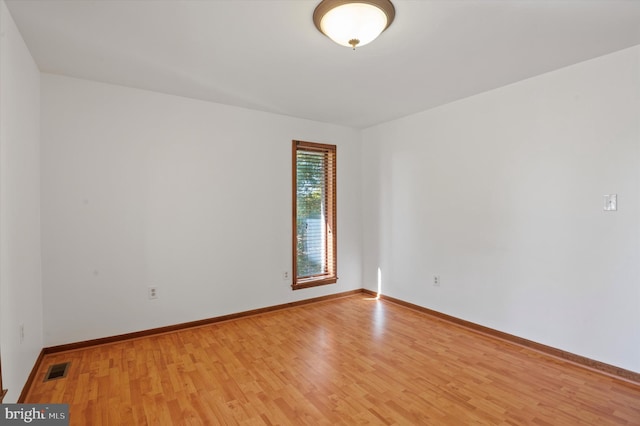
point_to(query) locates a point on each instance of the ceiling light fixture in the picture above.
(353, 23)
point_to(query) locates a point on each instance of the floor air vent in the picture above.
(57, 371)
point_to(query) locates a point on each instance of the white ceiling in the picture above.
(267, 54)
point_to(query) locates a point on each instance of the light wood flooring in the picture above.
(353, 360)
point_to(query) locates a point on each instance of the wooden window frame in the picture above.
(331, 238)
(3, 391)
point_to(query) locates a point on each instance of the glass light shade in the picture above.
(359, 21)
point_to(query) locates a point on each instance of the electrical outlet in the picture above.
(152, 292)
(611, 202)
(285, 275)
(21, 331)
(436, 280)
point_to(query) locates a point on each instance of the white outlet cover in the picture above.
(611, 202)
(152, 292)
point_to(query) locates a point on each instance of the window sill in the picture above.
(313, 282)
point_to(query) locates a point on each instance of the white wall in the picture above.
(20, 272)
(145, 189)
(501, 195)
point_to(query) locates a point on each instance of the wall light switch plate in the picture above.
(611, 202)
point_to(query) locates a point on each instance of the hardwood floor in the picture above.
(347, 361)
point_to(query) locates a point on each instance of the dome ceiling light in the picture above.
(353, 23)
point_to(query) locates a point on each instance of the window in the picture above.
(314, 214)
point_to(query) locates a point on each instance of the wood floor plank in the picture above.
(354, 360)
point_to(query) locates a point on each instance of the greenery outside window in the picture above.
(314, 214)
